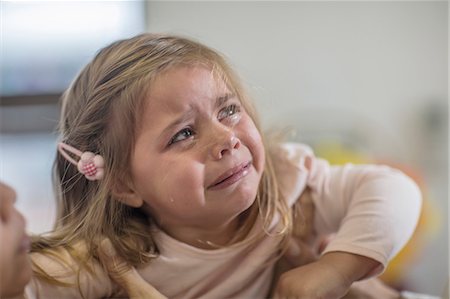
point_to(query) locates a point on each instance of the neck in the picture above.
(210, 238)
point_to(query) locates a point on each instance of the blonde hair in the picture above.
(100, 113)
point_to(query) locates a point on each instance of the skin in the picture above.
(15, 268)
(299, 253)
(195, 131)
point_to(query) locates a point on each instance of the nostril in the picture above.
(223, 142)
(236, 143)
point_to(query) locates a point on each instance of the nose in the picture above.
(7, 199)
(22, 219)
(225, 141)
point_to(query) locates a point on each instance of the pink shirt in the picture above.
(372, 209)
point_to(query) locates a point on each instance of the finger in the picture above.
(323, 242)
(299, 253)
(305, 210)
(276, 295)
(279, 294)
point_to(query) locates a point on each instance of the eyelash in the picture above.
(229, 111)
(175, 138)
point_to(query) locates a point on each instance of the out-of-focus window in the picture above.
(44, 44)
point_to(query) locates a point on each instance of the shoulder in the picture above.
(70, 273)
(291, 155)
(292, 151)
(291, 164)
(61, 260)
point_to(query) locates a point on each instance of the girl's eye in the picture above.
(182, 135)
(228, 111)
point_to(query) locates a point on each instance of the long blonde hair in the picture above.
(100, 112)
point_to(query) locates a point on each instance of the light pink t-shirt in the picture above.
(372, 209)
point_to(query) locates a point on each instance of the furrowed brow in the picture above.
(223, 99)
(187, 115)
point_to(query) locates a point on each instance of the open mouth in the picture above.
(231, 176)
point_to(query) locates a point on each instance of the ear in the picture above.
(126, 195)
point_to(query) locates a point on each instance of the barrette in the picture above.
(89, 164)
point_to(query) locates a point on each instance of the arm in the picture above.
(347, 267)
(372, 209)
(329, 277)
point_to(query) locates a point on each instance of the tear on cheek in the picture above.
(234, 120)
(255, 139)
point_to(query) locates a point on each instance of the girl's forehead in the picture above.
(186, 83)
(191, 74)
(181, 93)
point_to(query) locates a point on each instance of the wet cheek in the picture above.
(179, 183)
(185, 182)
(253, 140)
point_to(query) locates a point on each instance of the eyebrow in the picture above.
(223, 99)
(188, 114)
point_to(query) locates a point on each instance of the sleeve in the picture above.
(372, 209)
(92, 283)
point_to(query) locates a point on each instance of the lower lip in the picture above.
(234, 178)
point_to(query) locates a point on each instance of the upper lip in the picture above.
(230, 172)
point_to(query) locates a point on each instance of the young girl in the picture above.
(161, 153)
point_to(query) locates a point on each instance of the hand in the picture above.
(304, 246)
(125, 275)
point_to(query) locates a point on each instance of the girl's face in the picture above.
(15, 269)
(198, 157)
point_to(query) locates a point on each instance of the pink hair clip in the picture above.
(90, 164)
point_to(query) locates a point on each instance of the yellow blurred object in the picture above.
(429, 222)
(338, 154)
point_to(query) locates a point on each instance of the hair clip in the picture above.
(90, 164)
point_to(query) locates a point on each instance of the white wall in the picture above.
(374, 73)
(374, 65)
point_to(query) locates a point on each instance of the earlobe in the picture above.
(128, 197)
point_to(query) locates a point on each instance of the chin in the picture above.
(249, 191)
(24, 277)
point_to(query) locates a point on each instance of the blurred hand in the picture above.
(304, 275)
(125, 275)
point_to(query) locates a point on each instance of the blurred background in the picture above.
(361, 82)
